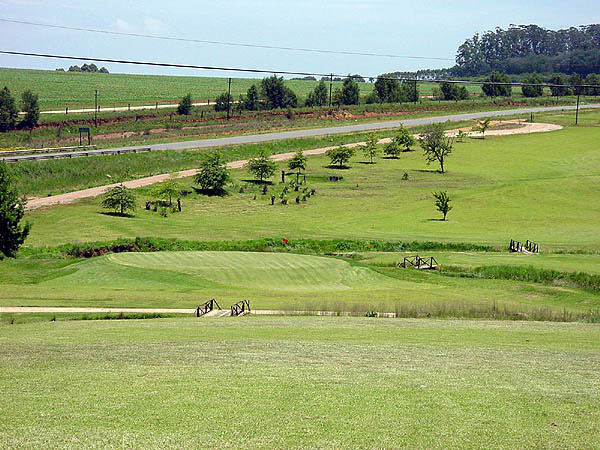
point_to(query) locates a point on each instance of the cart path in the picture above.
(190, 311)
(70, 197)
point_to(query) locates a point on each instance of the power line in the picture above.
(280, 72)
(234, 44)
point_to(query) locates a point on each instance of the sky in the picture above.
(416, 28)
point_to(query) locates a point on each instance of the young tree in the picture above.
(404, 139)
(392, 149)
(533, 91)
(167, 190)
(120, 199)
(12, 209)
(339, 156)
(212, 174)
(223, 101)
(298, 163)
(318, 96)
(261, 167)
(436, 146)
(442, 202)
(252, 101)
(481, 126)
(185, 106)
(350, 92)
(497, 90)
(31, 108)
(370, 147)
(8, 110)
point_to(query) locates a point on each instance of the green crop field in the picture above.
(299, 383)
(58, 90)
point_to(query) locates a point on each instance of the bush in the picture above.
(453, 91)
(318, 96)
(261, 167)
(185, 106)
(276, 94)
(533, 91)
(119, 198)
(339, 156)
(12, 210)
(496, 90)
(252, 101)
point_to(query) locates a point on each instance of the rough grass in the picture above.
(299, 382)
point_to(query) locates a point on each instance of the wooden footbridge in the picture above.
(418, 262)
(528, 247)
(212, 308)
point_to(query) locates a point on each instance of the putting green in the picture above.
(261, 271)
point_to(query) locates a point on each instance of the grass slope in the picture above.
(299, 382)
(540, 187)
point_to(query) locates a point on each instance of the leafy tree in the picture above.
(298, 163)
(261, 167)
(212, 175)
(120, 199)
(576, 80)
(497, 90)
(12, 209)
(557, 87)
(387, 88)
(252, 101)
(276, 94)
(593, 80)
(167, 190)
(8, 110)
(482, 125)
(223, 101)
(74, 69)
(436, 146)
(318, 96)
(350, 92)
(339, 156)
(369, 149)
(103, 70)
(453, 91)
(185, 106)
(533, 91)
(31, 108)
(404, 139)
(442, 202)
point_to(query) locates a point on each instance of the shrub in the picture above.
(185, 106)
(223, 101)
(339, 156)
(119, 198)
(8, 110)
(31, 108)
(12, 210)
(212, 174)
(261, 167)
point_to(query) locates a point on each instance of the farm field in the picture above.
(300, 382)
(539, 187)
(76, 89)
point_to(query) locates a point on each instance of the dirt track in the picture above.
(70, 197)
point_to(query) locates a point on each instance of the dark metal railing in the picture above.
(240, 308)
(206, 307)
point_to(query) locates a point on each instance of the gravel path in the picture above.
(71, 197)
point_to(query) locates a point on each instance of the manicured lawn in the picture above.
(299, 382)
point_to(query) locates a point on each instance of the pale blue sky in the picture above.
(424, 28)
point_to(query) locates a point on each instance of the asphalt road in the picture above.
(372, 126)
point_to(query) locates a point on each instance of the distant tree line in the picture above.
(530, 48)
(85, 68)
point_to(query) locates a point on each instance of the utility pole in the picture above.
(96, 108)
(330, 87)
(228, 98)
(577, 111)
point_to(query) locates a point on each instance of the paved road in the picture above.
(256, 138)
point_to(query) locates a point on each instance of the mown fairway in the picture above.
(541, 187)
(76, 90)
(299, 382)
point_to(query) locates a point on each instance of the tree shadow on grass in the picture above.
(116, 214)
(260, 183)
(390, 157)
(428, 171)
(368, 163)
(212, 192)
(434, 220)
(331, 166)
